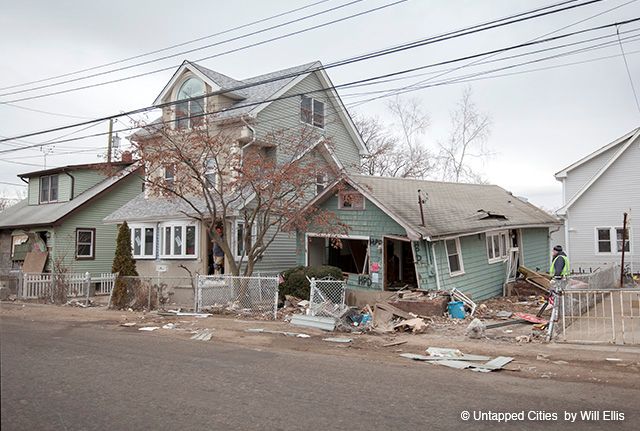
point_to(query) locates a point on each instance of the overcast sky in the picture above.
(541, 121)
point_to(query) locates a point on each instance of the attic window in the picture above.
(312, 112)
(487, 215)
(49, 189)
(189, 112)
(350, 201)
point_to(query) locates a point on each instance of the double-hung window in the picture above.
(179, 240)
(211, 174)
(497, 246)
(242, 238)
(610, 240)
(454, 256)
(49, 189)
(143, 241)
(312, 111)
(85, 243)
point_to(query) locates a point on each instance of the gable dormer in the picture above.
(192, 81)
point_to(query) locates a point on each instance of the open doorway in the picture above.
(399, 268)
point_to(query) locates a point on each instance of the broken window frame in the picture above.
(347, 204)
(458, 253)
(502, 239)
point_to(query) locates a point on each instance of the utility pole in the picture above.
(110, 141)
(624, 240)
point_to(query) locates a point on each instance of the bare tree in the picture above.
(265, 184)
(397, 150)
(467, 141)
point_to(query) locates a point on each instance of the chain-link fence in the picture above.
(248, 295)
(155, 292)
(327, 297)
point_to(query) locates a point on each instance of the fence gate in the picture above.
(327, 297)
(250, 295)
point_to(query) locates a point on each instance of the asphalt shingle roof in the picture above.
(22, 214)
(452, 208)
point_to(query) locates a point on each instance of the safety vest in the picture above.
(565, 271)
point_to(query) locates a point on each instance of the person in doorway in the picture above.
(559, 263)
(218, 253)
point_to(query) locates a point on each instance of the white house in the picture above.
(597, 190)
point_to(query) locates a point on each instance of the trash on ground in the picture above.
(394, 343)
(456, 310)
(613, 359)
(319, 322)
(475, 329)
(128, 324)
(459, 296)
(183, 313)
(462, 362)
(270, 331)
(203, 335)
(169, 326)
(416, 325)
(531, 318)
(503, 314)
(148, 328)
(338, 340)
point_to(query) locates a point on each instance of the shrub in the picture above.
(296, 283)
(125, 266)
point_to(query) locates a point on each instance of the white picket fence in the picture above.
(39, 285)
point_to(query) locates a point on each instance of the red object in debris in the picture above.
(529, 317)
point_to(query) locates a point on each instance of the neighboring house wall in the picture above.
(285, 114)
(91, 216)
(602, 205)
(580, 175)
(5, 249)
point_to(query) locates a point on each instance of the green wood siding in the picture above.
(85, 179)
(91, 216)
(535, 244)
(34, 190)
(285, 114)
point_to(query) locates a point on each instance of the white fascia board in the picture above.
(186, 66)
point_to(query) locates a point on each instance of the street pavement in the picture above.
(81, 376)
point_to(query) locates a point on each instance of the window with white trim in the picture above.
(48, 189)
(169, 175)
(143, 241)
(350, 201)
(312, 111)
(190, 113)
(497, 246)
(454, 257)
(609, 240)
(179, 240)
(240, 237)
(85, 243)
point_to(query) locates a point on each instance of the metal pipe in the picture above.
(624, 240)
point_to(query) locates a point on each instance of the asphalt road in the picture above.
(76, 376)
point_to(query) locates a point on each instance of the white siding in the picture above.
(579, 176)
(603, 205)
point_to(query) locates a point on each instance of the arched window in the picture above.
(189, 113)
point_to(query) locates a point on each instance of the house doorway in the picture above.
(351, 255)
(399, 267)
(514, 254)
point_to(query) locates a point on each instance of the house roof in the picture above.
(630, 135)
(253, 94)
(451, 209)
(624, 142)
(95, 166)
(23, 215)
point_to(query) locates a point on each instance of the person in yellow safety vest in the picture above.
(559, 263)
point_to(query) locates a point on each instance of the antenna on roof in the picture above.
(421, 201)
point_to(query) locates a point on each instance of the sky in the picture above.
(541, 121)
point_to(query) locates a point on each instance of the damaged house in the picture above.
(428, 235)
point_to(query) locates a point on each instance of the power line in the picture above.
(88, 69)
(422, 42)
(12, 184)
(360, 81)
(387, 51)
(205, 47)
(57, 114)
(633, 88)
